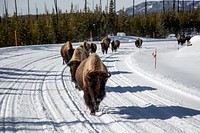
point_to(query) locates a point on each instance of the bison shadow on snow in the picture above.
(154, 112)
(120, 72)
(110, 60)
(134, 89)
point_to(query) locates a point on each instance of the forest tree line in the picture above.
(58, 27)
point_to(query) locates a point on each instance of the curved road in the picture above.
(37, 95)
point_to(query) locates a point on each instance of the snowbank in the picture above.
(191, 51)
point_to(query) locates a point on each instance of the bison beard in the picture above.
(96, 90)
(91, 77)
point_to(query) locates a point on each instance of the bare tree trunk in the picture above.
(107, 7)
(163, 6)
(145, 6)
(133, 7)
(174, 5)
(16, 7)
(56, 25)
(178, 5)
(100, 5)
(36, 11)
(114, 6)
(193, 5)
(85, 8)
(28, 8)
(6, 10)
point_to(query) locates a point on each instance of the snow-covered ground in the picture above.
(37, 95)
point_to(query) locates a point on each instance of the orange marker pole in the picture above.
(90, 36)
(15, 37)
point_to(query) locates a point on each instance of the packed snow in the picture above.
(146, 93)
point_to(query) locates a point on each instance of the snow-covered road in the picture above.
(37, 95)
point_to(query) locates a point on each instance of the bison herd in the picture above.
(88, 72)
(182, 39)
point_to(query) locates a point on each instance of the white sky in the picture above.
(63, 4)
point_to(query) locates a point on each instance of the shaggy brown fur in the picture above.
(79, 55)
(105, 44)
(138, 43)
(93, 47)
(86, 46)
(114, 45)
(91, 76)
(66, 52)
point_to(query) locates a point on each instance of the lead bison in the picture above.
(66, 52)
(91, 77)
(114, 45)
(138, 43)
(80, 53)
(105, 44)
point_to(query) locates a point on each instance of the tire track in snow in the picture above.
(90, 120)
(73, 94)
(192, 123)
(149, 94)
(118, 99)
(12, 99)
(162, 101)
(125, 82)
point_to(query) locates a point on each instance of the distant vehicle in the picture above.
(121, 34)
(171, 36)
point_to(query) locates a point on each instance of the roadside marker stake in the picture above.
(155, 56)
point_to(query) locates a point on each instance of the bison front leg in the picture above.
(89, 103)
(106, 51)
(103, 51)
(63, 61)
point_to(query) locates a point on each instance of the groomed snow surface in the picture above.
(37, 95)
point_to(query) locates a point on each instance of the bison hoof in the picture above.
(92, 113)
(77, 87)
(73, 80)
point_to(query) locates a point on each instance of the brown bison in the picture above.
(105, 44)
(86, 46)
(79, 55)
(66, 52)
(182, 39)
(91, 77)
(114, 45)
(138, 43)
(93, 47)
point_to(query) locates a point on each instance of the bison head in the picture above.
(73, 66)
(96, 83)
(87, 46)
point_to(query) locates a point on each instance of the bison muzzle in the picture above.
(91, 77)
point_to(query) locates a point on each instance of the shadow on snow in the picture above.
(154, 112)
(121, 89)
(120, 72)
(28, 124)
